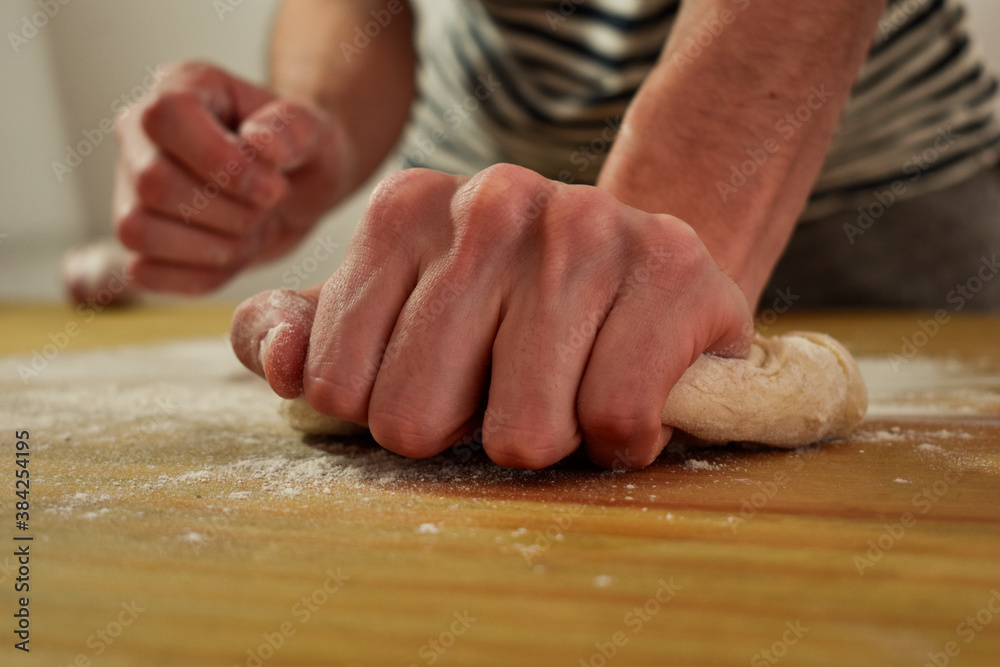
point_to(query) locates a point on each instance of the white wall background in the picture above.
(63, 82)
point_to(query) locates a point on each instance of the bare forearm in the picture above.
(322, 55)
(764, 83)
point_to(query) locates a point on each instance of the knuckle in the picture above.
(585, 222)
(413, 432)
(527, 445)
(161, 113)
(609, 421)
(284, 111)
(682, 243)
(194, 70)
(131, 231)
(502, 201)
(396, 201)
(342, 399)
(153, 182)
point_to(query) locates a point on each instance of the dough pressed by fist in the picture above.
(790, 391)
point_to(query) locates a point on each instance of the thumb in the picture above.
(283, 133)
(270, 335)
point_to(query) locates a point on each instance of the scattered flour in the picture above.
(930, 387)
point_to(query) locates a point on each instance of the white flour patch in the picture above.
(929, 387)
(697, 464)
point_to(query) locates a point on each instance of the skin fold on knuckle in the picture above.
(393, 215)
(131, 231)
(332, 391)
(153, 183)
(161, 116)
(530, 445)
(609, 422)
(412, 431)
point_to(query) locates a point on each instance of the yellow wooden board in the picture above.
(176, 521)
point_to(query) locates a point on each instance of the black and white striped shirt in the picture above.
(544, 84)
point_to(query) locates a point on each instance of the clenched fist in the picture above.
(552, 314)
(216, 174)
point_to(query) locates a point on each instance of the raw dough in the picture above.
(302, 417)
(790, 391)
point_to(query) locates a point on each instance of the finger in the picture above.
(433, 373)
(162, 185)
(270, 335)
(163, 239)
(625, 386)
(283, 133)
(186, 130)
(356, 315)
(540, 351)
(176, 278)
(632, 369)
(360, 304)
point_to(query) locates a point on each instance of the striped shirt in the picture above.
(544, 84)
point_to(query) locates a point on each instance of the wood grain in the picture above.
(708, 557)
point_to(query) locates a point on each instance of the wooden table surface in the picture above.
(176, 521)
